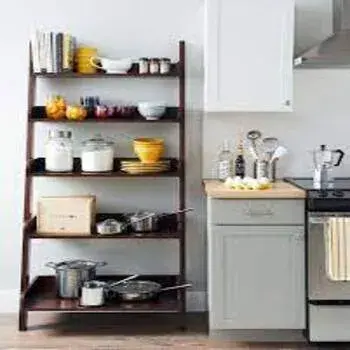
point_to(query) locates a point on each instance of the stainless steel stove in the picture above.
(327, 301)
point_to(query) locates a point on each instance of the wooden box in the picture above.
(73, 215)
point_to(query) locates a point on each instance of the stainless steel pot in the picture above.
(71, 275)
(144, 221)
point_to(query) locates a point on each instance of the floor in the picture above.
(88, 332)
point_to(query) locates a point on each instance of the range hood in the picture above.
(333, 52)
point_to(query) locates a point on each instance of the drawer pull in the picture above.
(251, 212)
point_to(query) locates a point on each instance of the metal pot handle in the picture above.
(100, 263)
(51, 264)
(176, 287)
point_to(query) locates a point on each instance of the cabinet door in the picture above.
(249, 55)
(256, 277)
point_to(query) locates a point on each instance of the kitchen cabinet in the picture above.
(256, 264)
(248, 50)
(256, 277)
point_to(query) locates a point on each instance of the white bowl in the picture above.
(151, 110)
(113, 65)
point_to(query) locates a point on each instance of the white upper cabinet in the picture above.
(248, 52)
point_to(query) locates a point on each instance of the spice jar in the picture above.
(59, 151)
(154, 66)
(97, 155)
(143, 65)
(165, 65)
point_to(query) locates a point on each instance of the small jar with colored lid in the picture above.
(154, 66)
(165, 64)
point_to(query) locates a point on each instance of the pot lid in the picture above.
(76, 264)
(99, 141)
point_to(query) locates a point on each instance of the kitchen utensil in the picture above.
(142, 290)
(253, 136)
(71, 275)
(148, 221)
(97, 155)
(324, 161)
(279, 153)
(149, 150)
(151, 110)
(93, 292)
(253, 153)
(112, 66)
(270, 145)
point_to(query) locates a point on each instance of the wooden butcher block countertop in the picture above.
(280, 189)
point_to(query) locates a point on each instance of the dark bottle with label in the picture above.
(240, 162)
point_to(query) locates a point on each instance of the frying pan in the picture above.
(142, 290)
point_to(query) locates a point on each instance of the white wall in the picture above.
(119, 29)
(137, 28)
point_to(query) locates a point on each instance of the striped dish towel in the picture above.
(337, 243)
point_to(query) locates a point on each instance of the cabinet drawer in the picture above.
(329, 323)
(255, 212)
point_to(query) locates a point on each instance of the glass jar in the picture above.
(59, 151)
(143, 65)
(154, 66)
(165, 65)
(97, 155)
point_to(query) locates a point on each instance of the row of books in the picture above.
(52, 52)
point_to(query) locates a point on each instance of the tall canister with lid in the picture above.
(59, 151)
(97, 155)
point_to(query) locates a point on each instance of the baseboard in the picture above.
(9, 299)
(196, 301)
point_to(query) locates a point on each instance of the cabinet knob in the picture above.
(287, 103)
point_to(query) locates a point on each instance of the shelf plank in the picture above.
(42, 296)
(172, 115)
(36, 168)
(169, 228)
(133, 73)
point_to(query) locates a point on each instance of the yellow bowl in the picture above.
(148, 141)
(147, 151)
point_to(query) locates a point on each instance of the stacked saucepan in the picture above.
(77, 279)
(140, 222)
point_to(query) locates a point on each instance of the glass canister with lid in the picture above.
(59, 151)
(97, 155)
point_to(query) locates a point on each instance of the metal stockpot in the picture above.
(71, 275)
(144, 221)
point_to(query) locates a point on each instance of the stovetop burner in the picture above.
(334, 199)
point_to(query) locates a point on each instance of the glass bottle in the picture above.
(225, 162)
(240, 162)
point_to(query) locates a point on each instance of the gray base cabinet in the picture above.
(256, 273)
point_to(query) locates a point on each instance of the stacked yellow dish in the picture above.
(136, 167)
(82, 59)
(149, 150)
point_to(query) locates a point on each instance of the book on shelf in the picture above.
(52, 52)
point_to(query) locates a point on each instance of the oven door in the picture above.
(321, 288)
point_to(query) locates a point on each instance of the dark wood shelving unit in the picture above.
(172, 115)
(42, 296)
(40, 293)
(175, 71)
(36, 167)
(169, 227)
